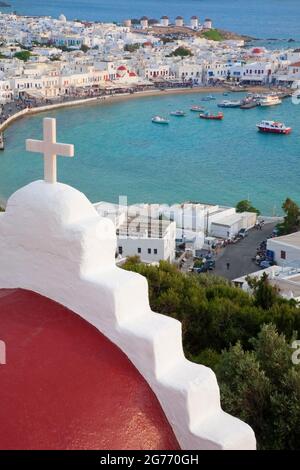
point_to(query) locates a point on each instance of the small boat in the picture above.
(230, 104)
(1, 141)
(226, 93)
(213, 117)
(249, 104)
(160, 120)
(273, 127)
(197, 109)
(270, 100)
(208, 98)
(178, 113)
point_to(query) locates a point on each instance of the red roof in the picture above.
(257, 50)
(66, 386)
(122, 67)
(295, 64)
(132, 74)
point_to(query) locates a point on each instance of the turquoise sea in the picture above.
(260, 18)
(120, 152)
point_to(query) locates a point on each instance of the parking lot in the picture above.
(240, 255)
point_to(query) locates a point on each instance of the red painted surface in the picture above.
(66, 386)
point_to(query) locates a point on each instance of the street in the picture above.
(240, 255)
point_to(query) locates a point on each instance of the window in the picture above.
(139, 250)
(283, 254)
(149, 251)
(120, 250)
(155, 251)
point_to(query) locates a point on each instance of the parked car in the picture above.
(243, 233)
(208, 265)
(265, 264)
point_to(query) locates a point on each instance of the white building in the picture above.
(294, 70)
(285, 250)
(287, 280)
(150, 238)
(229, 226)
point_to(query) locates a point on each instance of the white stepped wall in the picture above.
(53, 242)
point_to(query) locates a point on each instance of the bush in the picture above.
(262, 387)
(244, 338)
(182, 52)
(246, 206)
(23, 55)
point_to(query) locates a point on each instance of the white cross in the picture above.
(50, 149)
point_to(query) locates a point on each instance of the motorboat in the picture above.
(230, 104)
(209, 98)
(249, 103)
(160, 120)
(197, 109)
(212, 117)
(178, 113)
(273, 127)
(270, 100)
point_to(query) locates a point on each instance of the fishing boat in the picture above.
(178, 113)
(197, 109)
(230, 104)
(1, 141)
(212, 117)
(160, 120)
(273, 127)
(270, 100)
(208, 98)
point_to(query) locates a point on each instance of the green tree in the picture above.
(258, 380)
(262, 387)
(246, 206)
(131, 47)
(182, 52)
(265, 294)
(291, 221)
(23, 55)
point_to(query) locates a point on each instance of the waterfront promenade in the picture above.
(20, 108)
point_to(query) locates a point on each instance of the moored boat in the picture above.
(230, 104)
(197, 109)
(212, 117)
(160, 120)
(270, 100)
(209, 98)
(178, 113)
(273, 127)
(249, 103)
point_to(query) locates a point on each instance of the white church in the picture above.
(88, 364)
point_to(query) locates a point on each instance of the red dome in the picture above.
(257, 50)
(132, 74)
(122, 67)
(66, 386)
